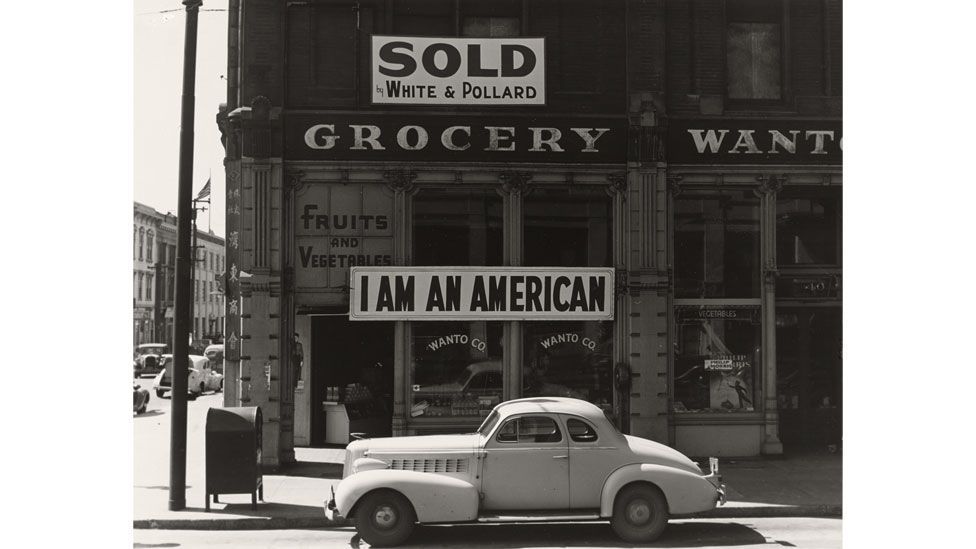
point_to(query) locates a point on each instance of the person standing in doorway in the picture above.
(297, 358)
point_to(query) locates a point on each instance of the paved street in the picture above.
(807, 533)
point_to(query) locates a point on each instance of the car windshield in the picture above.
(488, 424)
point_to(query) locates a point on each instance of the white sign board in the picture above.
(409, 70)
(481, 293)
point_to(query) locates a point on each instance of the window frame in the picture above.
(785, 65)
(518, 419)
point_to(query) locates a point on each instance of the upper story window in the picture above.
(569, 228)
(457, 228)
(808, 228)
(754, 46)
(496, 19)
(149, 246)
(716, 245)
(142, 241)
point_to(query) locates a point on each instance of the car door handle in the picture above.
(559, 457)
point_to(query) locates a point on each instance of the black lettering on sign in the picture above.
(557, 299)
(496, 293)
(404, 293)
(598, 286)
(579, 295)
(384, 301)
(454, 293)
(435, 298)
(515, 302)
(364, 296)
(533, 289)
(479, 301)
(306, 253)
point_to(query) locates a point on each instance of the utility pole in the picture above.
(184, 262)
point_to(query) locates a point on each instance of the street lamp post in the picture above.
(184, 262)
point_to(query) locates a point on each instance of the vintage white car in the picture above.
(546, 458)
(200, 378)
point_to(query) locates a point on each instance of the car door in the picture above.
(591, 460)
(526, 466)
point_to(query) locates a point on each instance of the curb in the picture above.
(769, 511)
(271, 523)
(288, 523)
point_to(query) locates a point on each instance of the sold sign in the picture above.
(458, 71)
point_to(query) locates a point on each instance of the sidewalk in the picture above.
(808, 486)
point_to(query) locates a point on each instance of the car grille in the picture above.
(431, 465)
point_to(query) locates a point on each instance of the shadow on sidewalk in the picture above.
(713, 534)
(809, 480)
(311, 469)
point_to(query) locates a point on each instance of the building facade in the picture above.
(154, 279)
(689, 149)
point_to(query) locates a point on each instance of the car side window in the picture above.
(580, 431)
(530, 429)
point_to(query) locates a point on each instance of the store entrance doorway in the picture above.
(809, 374)
(351, 379)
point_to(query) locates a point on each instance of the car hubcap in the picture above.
(385, 516)
(638, 512)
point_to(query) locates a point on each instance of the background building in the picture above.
(154, 279)
(692, 147)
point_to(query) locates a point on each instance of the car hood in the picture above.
(659, 454)
(416, 444)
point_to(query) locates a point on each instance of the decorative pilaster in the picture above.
(769, 186)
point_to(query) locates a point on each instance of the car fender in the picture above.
(435, 498)
(685, 492)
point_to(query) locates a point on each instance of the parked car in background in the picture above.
(201, 377)
(215, 353)
(140, 398)
(146, 358)
(546, 458)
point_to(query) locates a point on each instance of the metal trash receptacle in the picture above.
(233, 453)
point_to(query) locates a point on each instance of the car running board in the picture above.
(546, 516)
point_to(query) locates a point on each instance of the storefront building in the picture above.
(497, 178)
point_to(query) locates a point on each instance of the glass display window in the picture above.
(569, 359)
(808, 228)
(717, 358)
(568, 228)
(457, 369)
(717, 245)
(457, 228)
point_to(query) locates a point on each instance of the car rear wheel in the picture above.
(385, 518)
(640, 513)
(202, 388)
(220, 387)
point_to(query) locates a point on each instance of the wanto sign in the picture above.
(409, 70)
(480, 293)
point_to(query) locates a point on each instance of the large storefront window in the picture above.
(568, 228)
(457, 228)
(457, 368)
(716, 246)
(717, 358)
(808, 229)
(568, 359)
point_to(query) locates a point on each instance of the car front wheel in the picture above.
(385, 518)
(640, 513)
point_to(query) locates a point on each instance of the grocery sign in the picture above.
(480, 293)
(409, 70)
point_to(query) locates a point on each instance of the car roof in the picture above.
(553, 405)
(485, 366)
(144, 345)
(219, 346)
